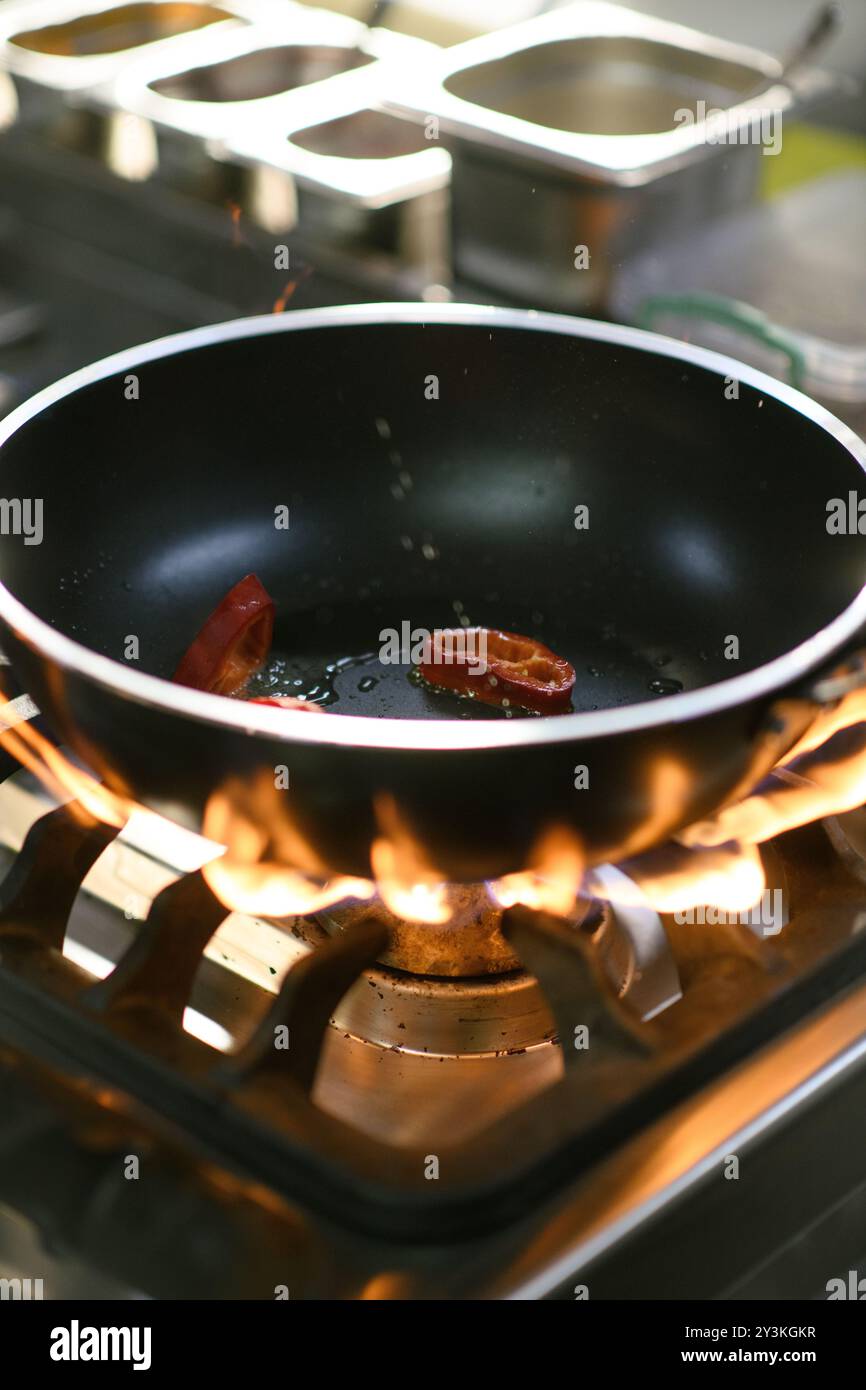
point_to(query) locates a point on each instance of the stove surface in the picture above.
(420, 1116)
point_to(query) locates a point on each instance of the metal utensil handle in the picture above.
(824, 24)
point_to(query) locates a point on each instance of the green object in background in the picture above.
(807, 152)
(732, 313)
(780, 284)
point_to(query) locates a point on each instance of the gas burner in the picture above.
(469, 944)
(459, 989)
(483, 1075)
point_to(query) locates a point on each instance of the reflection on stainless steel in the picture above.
(649, 977)
(678, 1164)
(495, 90)
(601, 85)
(117, 29)
(364, 180)
(56, 47)
(274, 108)
(410, 1099)
(583, 126)
(362, 135)
(263, 72)
(226, 80)
(225, 107)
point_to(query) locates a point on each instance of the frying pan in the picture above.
(432, 459)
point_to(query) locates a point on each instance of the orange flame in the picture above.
(825, 782)
(551, 883)
(409, 885)
(60, 777)
(288, 291)
(269, 865)
(235, 215)
(672, 879)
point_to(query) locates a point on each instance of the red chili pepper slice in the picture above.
(233, 642)
(508, 669)
(287, 702)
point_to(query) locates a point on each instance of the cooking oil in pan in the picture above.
(332, 657)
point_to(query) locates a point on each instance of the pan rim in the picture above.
(365, 731)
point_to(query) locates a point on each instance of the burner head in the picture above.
(470, 943)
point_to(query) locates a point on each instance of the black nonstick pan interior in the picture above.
(432, 474)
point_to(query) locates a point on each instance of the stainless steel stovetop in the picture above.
(430, 1137)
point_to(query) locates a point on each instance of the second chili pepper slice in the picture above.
(498, 668)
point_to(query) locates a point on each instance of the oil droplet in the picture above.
(368, 683)
(665, 685)
(319, 687)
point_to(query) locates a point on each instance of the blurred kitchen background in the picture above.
(164, 165)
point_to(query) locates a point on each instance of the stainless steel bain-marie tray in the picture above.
(59, 50)
(593, 125)
(571, 142)
(273, 106)
(359, 177)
